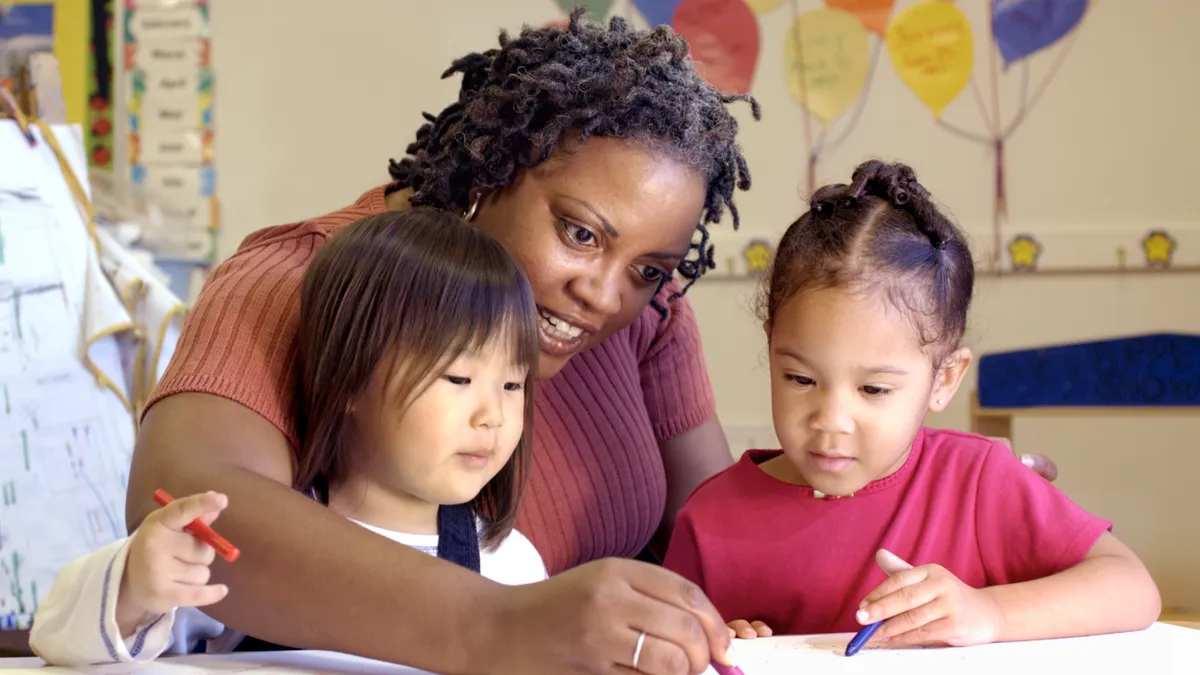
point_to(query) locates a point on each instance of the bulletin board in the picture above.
(70, 24)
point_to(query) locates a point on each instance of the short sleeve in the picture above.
(671, 365)
(1026, 527)
(514, 562)
(240, 340)
(683, 551)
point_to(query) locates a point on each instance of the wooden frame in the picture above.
(999, 421)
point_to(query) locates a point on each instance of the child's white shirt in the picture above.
(76, 623)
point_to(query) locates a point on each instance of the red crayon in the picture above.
(203, 532)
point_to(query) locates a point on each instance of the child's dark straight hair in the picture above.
(881, 232)
(404, 294)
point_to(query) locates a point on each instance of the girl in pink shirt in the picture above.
(864, 310)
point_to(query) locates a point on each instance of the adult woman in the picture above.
(591, 153)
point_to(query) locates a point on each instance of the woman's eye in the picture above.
(801, 380)
(513, 386)
(579, 234)
(649, 273)
(454, 379)
(876, 391)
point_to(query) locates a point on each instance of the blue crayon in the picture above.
(860, 638)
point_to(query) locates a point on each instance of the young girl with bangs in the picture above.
(418, 348)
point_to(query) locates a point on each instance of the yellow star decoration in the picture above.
(1024, 251)
(1158, 246)
(758, 256)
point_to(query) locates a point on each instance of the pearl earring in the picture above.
(939, 401)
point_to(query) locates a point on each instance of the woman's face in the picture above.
(596, 228)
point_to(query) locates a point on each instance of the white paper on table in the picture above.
(1162, 649)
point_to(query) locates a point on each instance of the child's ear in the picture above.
(948, 378)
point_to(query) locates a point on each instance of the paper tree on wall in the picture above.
(829, 59)
(932, 47)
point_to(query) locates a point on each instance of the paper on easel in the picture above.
(66, 428)
(158, 311)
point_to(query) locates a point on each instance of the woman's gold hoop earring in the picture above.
(470, 214)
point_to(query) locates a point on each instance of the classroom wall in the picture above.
(312, 102)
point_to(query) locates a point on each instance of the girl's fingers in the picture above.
(200, 596)
(192, 575)
(176, 515)
(742, 629)
(892, 585)
(188, 549)
(904, 599)
(934, 632)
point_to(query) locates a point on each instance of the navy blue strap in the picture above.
(458, 536)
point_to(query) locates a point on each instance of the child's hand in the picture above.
(167, 566)
(928, 605)
(748, 630)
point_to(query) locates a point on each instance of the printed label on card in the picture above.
(153, 24)
(169, 112)
(135, 4)
(171, 147)
(179, 55)
(178, 185)
(171, 83)
(179, 240)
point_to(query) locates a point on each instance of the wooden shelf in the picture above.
(998, 421)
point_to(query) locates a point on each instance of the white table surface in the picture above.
(1161, 649)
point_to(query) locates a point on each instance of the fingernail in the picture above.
(1028, 460)
(730, 659)
(863, 616)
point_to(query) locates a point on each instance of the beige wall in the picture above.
(311, 105)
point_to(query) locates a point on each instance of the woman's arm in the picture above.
(306, 577)
(310, 579)
(689, 459)
(1110, 591)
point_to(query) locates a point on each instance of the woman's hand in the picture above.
(1041, 464)
(748, 630)
(590, 618)
(928, 605)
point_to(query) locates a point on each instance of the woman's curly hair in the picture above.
(516, 103)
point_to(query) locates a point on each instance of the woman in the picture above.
(592, 154)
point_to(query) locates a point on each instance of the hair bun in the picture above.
(896, 183)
